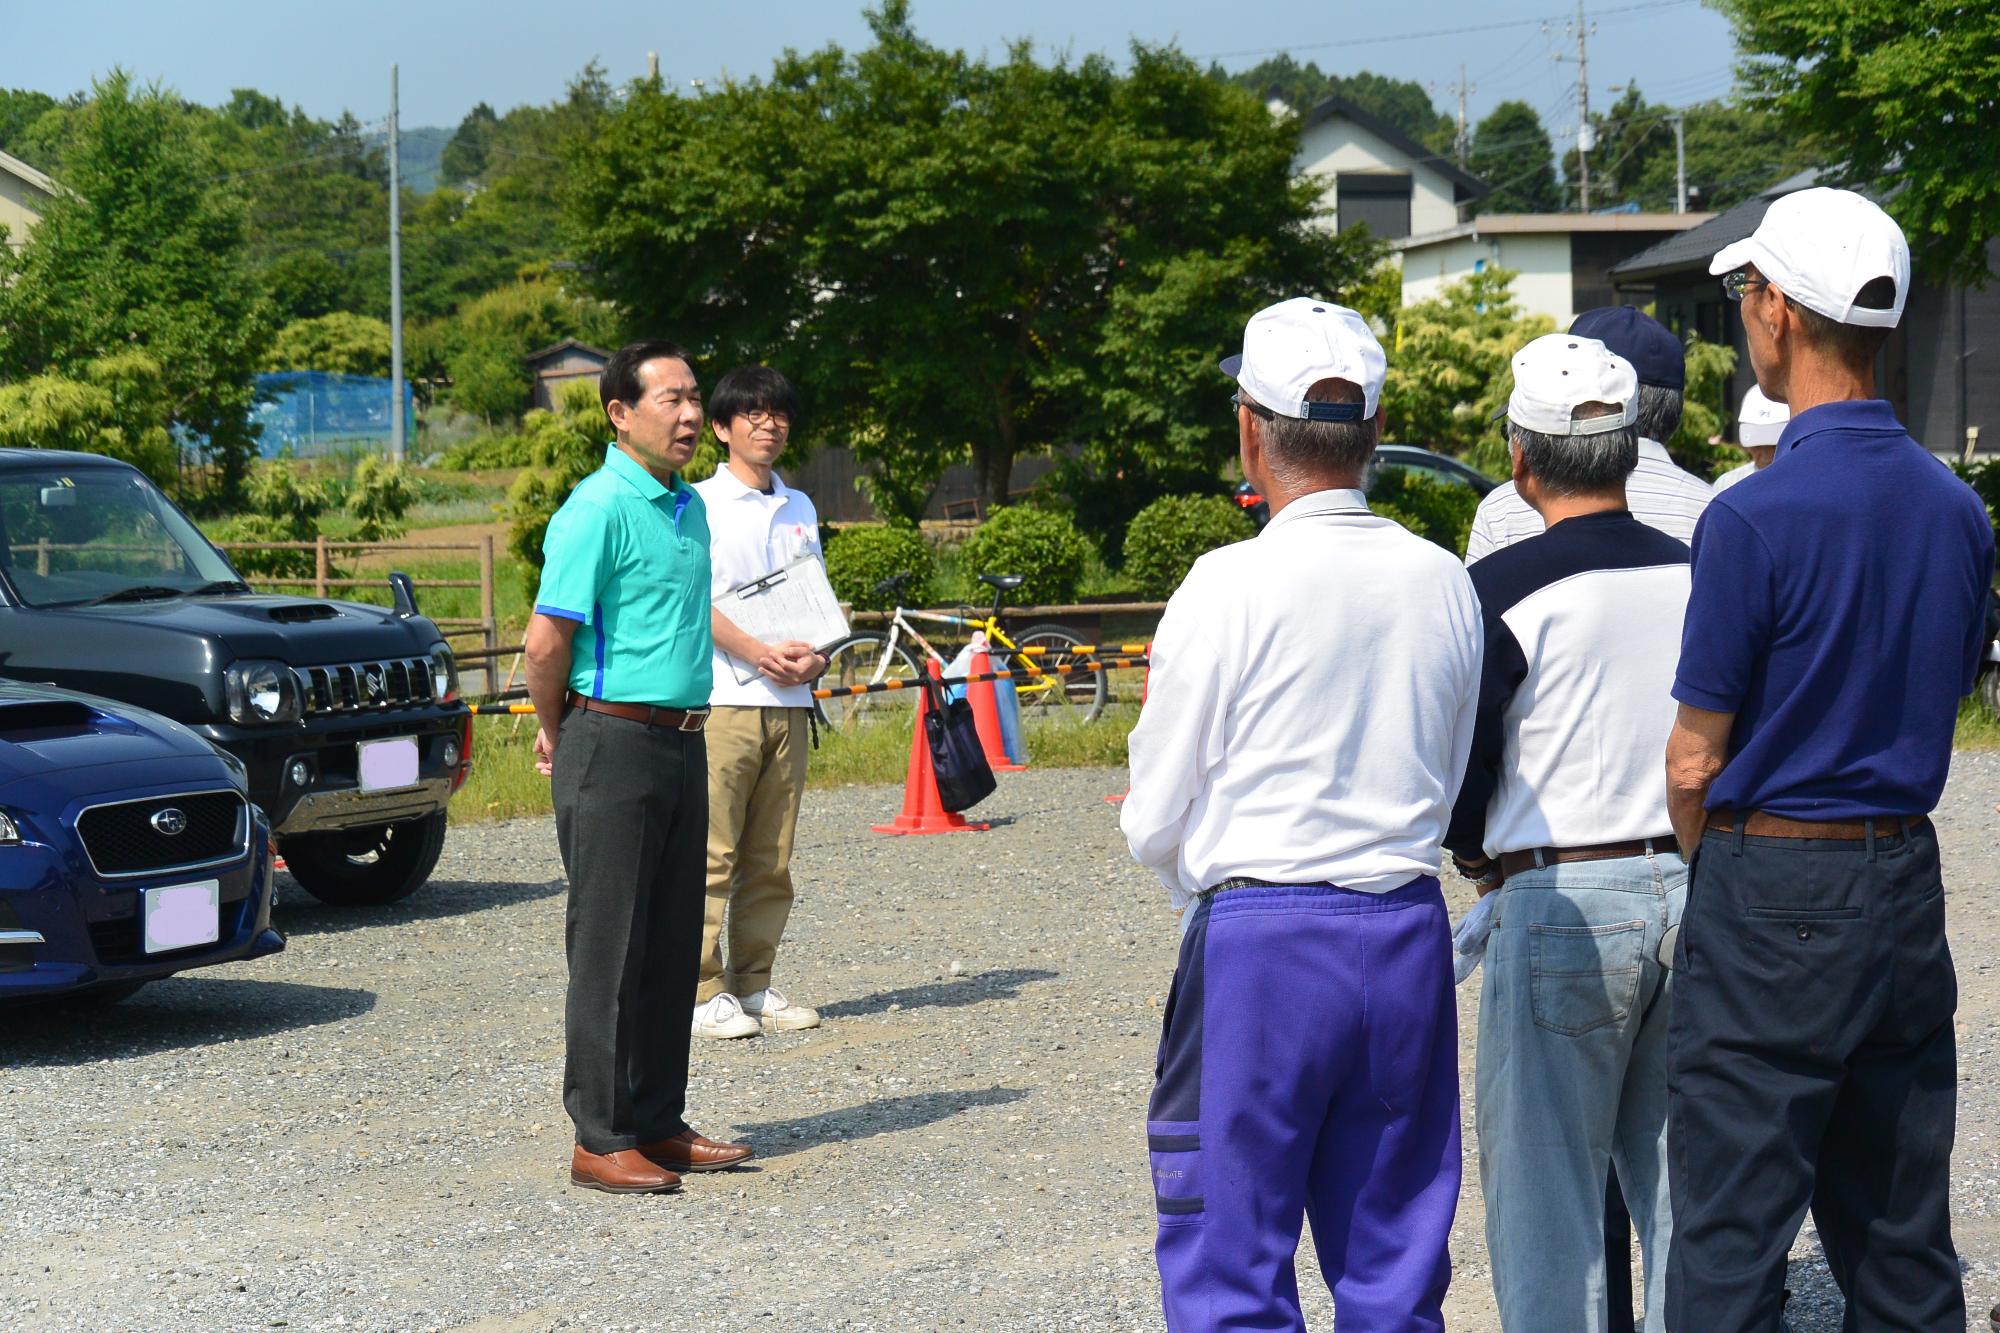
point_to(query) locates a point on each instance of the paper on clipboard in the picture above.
(795, 602)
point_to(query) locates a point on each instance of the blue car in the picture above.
(129, 849)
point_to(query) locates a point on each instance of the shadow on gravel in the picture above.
(173, 1015)
(886, 1115)
(299, 913)
(1001, 984)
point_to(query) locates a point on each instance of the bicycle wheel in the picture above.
(1077, 698)
(855, 661)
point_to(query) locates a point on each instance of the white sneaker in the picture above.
(778, 1014)
(723, 1017)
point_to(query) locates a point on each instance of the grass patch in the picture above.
(1978, 729)
(505, 785)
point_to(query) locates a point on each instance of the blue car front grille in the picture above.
(131, 838)
(122, 940)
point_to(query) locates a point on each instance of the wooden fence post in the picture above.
(42, 556)
(486, 595)
(322, 569)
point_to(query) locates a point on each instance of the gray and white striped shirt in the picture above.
(1659, 494)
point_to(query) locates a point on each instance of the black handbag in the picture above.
(964, 778)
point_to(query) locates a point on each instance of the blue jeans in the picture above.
(1573, 1078)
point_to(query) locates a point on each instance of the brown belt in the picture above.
(680, 719)
(1761, 825)
(1513, 863)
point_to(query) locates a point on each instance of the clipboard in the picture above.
(795, 602)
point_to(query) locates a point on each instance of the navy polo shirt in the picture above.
(1838, 609)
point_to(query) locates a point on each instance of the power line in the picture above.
(1647, 7)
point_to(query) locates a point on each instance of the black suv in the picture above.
(346, 716)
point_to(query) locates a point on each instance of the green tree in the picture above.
(1512, 153)
(1902, 100)
(1400, 102)
(140, 251)
(1733, 153)
(20, 108)
(480, 348)
(961, 260)
(119, 406)
(1449, 367)
(339, 343)
(378, 496)
(566, 446)
(465, 157)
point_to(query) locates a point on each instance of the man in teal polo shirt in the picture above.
(618, 655)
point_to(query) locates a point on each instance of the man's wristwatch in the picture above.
(1485, 870)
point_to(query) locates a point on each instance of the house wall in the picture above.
(1336, 145)
(1541, 258)
(21, 206)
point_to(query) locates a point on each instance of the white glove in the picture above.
(1468, 937)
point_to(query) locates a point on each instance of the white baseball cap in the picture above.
(1760, 421)
(1820, 247)
(1293, 345)
(1559, 372)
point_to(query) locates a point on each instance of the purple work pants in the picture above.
(1308, 1068)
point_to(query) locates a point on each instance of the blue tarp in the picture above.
(309, 412)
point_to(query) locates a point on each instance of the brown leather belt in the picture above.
(1761, 825)
(679, 719)
(1513, 863)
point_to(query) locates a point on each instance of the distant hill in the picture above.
(423, 148)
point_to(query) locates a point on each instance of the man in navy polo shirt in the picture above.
(1828, 641)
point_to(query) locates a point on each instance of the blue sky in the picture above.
(454, 53)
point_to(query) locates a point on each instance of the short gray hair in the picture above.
(1580, 464)
(1659, 412)
(1302, 450)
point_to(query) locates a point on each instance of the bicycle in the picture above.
(872, 658)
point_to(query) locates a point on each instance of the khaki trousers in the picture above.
(756, 779)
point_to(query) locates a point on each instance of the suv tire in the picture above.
(368, 867)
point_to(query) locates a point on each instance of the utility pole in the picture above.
(1463, 89)
(396, 441)
(1585, 136)
(1680, 166)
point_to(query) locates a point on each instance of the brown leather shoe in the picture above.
(627, 1172)
(689, 1151)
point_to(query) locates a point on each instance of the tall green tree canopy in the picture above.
(1512, 153)
(1901, 99)
(141, 251)
(1401, 102)
(962, 260)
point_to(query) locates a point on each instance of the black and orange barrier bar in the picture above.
(883, 687)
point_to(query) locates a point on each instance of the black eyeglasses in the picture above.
(1735, 284)
(1237, 400)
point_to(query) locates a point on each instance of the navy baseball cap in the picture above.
(1635, 335)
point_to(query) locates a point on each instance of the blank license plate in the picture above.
(387, 764)
(182, 916)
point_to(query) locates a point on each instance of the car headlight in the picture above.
(10, 833)
(444, 675)
(263, 692)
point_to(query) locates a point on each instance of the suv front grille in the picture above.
(359, 686)
(125, 838)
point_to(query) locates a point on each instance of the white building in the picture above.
(1373, 173)
(1564, 259)
(24, 194)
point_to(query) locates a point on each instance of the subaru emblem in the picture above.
(169, 822)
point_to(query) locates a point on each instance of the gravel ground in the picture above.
(365, 1132)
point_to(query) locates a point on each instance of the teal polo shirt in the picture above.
(627, 559)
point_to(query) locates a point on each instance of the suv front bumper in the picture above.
(331, 797)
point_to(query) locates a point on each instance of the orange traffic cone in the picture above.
(1145, 688)
(923, 809)
(986, 714)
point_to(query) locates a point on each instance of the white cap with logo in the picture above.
(1558, 373)
(1820, 247)
(1760, 421)
(1293, 345)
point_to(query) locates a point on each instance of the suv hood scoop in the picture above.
(295, 613)
(35, 719)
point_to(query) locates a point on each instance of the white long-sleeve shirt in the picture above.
(1311, 707)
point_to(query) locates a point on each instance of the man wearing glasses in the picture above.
(1829, 638)
(1292, 772)
(757, 724)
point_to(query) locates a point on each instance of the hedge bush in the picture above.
(1437, 510)
(865, 555)
(1045, 548)
(1169, 535)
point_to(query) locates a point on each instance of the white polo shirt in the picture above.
(1659, 494)
(1311, 707)
(752, 533)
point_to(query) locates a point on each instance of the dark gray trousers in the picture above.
(1813, 1064)
(632, 821)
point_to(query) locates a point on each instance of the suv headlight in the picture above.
(444, 675)
(262, 692)
(10, 834)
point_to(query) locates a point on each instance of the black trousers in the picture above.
(632, 820)
(1813, 1064)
